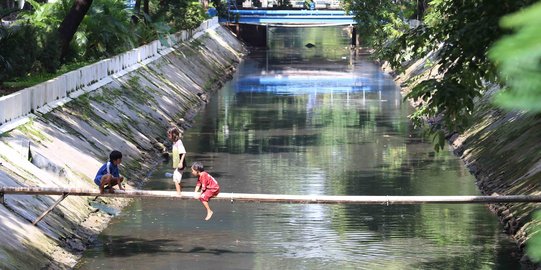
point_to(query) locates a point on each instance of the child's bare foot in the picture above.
(209, 215)
(101, 190)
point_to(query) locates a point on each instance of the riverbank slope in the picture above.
(65, 147)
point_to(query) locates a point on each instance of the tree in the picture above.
(146, 8)
(71, 22)
(461, 31)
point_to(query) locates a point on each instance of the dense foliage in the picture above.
(106, 30)
(31, 45)
(461, 32)
(19, 50)
(221, 7)
(518, 57)
(478, 43)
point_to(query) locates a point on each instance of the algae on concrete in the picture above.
(130, 114)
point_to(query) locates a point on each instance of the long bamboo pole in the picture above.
(278, 198)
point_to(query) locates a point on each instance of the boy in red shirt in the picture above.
(209, 186)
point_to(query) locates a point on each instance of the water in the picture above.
(298, 120)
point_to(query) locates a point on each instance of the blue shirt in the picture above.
(106, 168)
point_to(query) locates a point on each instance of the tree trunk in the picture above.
(71, 22)
(146, 9)
(421, 8)
(137, 11)
(137, 7)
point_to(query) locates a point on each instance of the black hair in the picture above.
(198, 166)
(115, 155)
(175, 133)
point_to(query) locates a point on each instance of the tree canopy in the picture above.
(479, 42)
(461, 31)
(517, 57)
(48, 36)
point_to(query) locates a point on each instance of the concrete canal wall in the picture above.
(65, 146)
(501, 149)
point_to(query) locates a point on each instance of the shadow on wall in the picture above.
(16, 238)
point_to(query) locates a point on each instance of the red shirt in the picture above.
(207, 182)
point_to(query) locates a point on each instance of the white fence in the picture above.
(26, 101)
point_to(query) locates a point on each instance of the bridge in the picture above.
(294, 18)
(251, 26)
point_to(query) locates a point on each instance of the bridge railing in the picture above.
(292, 18)
(261, 12)
(52, 92)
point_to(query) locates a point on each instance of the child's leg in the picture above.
(205, 197)
(112, 183)
(209, 212)
(105, 180)
(178, 187)
(177, 178)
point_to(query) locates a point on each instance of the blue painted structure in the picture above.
(292, 17)
(292, 83)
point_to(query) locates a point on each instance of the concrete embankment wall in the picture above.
(501, 149)
(66, 146)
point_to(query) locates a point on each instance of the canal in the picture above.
(308, 117)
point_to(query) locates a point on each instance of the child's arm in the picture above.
(196, 191)
(119, 181)
(181, 163)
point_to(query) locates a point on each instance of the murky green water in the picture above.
(299, 120)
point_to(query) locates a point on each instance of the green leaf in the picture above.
(518, 57)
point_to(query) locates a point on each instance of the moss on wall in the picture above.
(131, 114)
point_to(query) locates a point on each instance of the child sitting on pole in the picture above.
(209, 187)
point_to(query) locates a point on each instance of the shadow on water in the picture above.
(123, 246)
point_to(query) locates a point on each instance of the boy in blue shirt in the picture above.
(108, 175)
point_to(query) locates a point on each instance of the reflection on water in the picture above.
(299, 120)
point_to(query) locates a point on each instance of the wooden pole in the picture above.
(50, 209)
(279, 198)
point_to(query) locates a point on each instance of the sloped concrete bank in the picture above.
(66, 146)
(501, 149)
